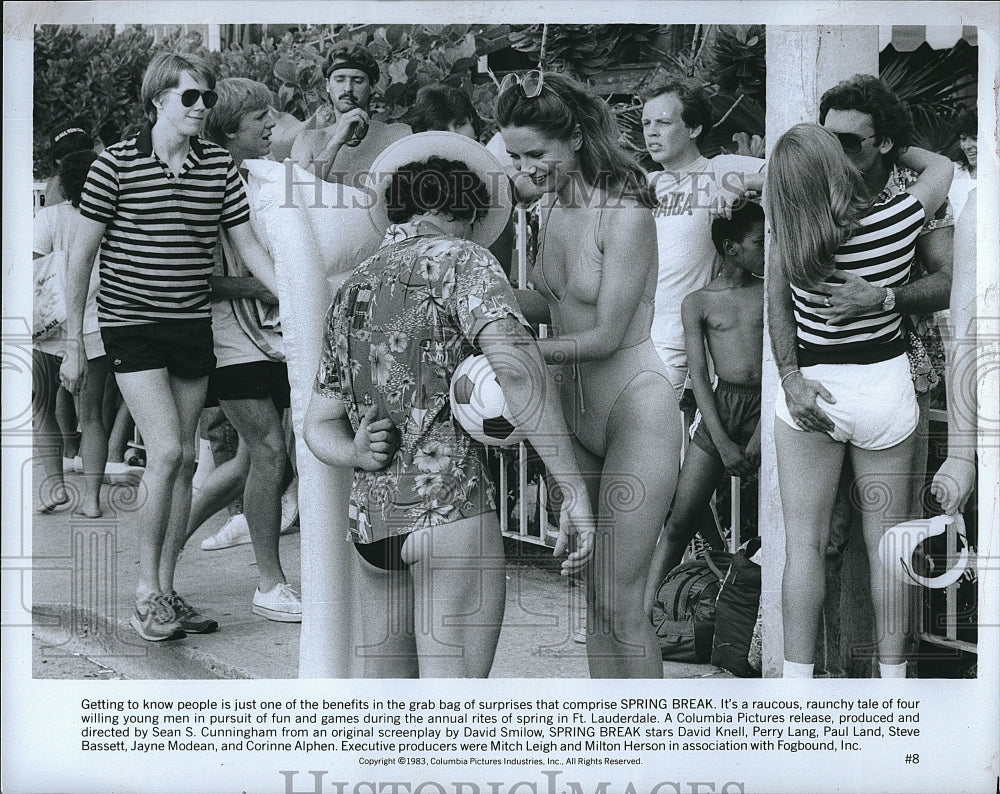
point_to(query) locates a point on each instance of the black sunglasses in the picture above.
(189, 97)
(852, 143)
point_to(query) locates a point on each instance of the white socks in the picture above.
(799, 670)
(892, 670)
(796, 670)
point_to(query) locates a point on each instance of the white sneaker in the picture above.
(233, 533)
(282, 604)
(290, 507)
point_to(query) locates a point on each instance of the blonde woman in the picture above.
(825, 227)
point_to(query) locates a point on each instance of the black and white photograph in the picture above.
(532, 343)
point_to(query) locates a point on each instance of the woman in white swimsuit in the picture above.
(596, 270)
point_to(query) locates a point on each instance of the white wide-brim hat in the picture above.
(451, 146)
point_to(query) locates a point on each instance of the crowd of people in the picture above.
(643, 392)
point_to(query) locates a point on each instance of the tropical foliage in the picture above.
(410, 56)
(94, 74)
(940, 87)
(111, 66)
(729, 62)
(93, 78)
(581, 50)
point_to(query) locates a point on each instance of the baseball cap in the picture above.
(69, 136)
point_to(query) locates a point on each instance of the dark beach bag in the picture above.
(736, 614)
(683, 614)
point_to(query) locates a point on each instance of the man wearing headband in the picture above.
(346, 149)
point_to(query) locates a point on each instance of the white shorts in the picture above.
(876, 407)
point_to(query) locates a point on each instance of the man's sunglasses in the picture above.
(531, 84)
(852, 143)
(189, 97)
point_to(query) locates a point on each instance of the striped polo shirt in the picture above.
(161, 230)
(881, 252)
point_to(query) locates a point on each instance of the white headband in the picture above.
(70, 131)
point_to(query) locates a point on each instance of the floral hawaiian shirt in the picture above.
(397, 329)
(924, 346)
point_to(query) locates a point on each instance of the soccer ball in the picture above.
(477, 402)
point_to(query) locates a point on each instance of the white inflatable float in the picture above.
(317, 232)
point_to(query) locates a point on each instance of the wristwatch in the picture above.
(889, 301)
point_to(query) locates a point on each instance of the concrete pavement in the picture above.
(84, 577)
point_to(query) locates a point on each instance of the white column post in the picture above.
(802, 62)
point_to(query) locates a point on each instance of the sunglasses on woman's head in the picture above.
(852, 143)
(189, 97)
(531, 84)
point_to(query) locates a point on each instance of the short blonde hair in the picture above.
(815, 199)
(164, 72)
(237, 97)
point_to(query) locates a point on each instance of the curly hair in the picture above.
(73, 172)
(815, 199)
(561, 107)
(448, 187)
(696, 107)
(865, 93)
(968, 123)
(737, 227)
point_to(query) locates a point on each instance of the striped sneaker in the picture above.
(154, 619)
(191, 620)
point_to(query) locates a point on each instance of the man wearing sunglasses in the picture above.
(346, 149)
(153, 205)
(873, 125)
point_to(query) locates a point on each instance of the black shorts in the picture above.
(255, 380)
(183, 347)
(739, 410)
(386, 553)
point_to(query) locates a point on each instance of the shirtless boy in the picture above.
(728, 315)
